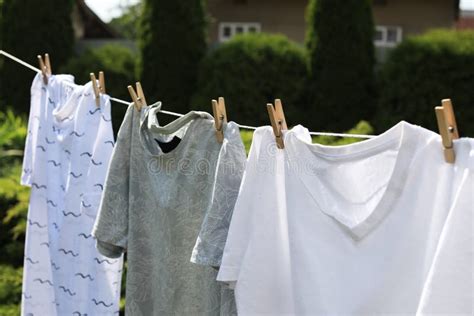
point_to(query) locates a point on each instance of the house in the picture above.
(466, 20)
(394, 19)
(90, 31)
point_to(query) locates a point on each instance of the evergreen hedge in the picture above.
(172, 43)
(29, 28)
(251, 70)
(339, 40)
(420, 72)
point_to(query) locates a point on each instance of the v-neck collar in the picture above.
(300, 147)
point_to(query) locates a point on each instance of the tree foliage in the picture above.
(339, 40)
(251, 70)
(420, 72)
(13, 197)
(127, 23)
(29, 28)
(172, 43)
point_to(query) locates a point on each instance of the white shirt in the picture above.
(378, 227)
(67, 151)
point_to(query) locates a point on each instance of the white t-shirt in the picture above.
(384, 226)
(67, 152)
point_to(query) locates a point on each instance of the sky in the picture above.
(108, 9)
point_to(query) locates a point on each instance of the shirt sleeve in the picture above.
(37, 95)
(449, 288)
(111, 226)
(240, 229)
(230, 168)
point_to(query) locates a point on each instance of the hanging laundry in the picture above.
(378, 227)
(68, 147)
(165, 187)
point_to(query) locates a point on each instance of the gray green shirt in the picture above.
(165, 208)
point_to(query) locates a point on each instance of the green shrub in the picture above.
(14, 200)
(251, 70)
(10, 310)
(340, 47)
(126, 24)
(10, 286)
(118, 64)
(420, 72)
(29, 28)
(362, 128)
(172, 43)
(12, 138)
(13, 197)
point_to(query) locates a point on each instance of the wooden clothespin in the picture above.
(45, 66)
(98, 89)
(137, 97)
(448, 128)
(220, 117)
(277, 118)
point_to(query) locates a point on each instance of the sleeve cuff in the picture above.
(228, 274)
(109, 250)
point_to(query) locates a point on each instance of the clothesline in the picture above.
(27, 65)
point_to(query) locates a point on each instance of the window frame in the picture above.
(246, 26)
(384, 41)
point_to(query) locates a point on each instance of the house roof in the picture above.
(94, 27)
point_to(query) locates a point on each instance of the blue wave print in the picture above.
(100, 186)
(45, 244)
(86, 205)
(55, 266)
(67, 151)
(71, 213)
(51, 202)
(75, 175)
(56, 164)
(49, 141)
(96, 163)
(88, 276)
(94, 112)
(41, 147)
(105, 119)
(68, 252)
(36, 185)
(104, 260)
(84, 235)
(76, 134)
(86, 153)
(26, 296)
(43, 281)
(109, 142)
(36, 224)
(101, 303)
(31, 260)
(66, 290)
